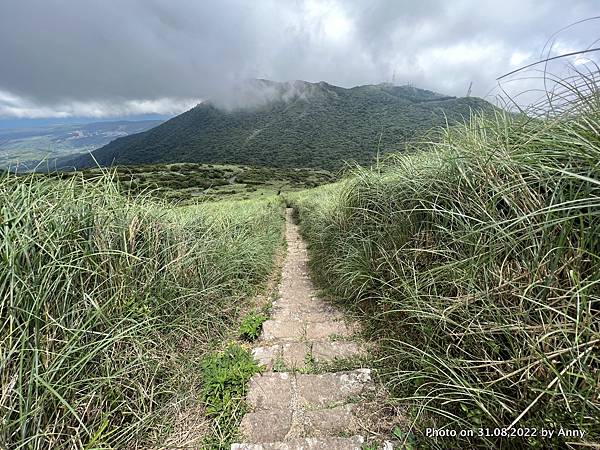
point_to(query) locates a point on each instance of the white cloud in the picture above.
(73, 57)
(518, 58)
(19, 107)
(329, 20)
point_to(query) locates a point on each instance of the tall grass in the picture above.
(477, 260)
(98, 294)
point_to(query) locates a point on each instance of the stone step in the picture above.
(329, 421)
(266, 425)
(303, 308)
(308, 313)
(327, 351)
(297, 330)
(271, 390)
(293, 355)
(315, 443)
(325, 390)
(283, 330)
(323, 330)
(276, 390)
(296, 355)
(282, 424)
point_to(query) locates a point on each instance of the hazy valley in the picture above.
(30, 145)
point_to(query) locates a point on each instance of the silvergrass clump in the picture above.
(99, 293)
(478, 262)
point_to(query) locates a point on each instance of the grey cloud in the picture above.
(85, 56)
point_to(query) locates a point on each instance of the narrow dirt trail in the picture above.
(295, 404)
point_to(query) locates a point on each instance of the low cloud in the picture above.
(19, 107)
(257, 92)
(83, 57)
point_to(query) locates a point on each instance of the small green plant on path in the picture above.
(225, 375)
(407, 439)
(251, 326)
(279, 365)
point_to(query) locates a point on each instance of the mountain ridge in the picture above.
(291, 124)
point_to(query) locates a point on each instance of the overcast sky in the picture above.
(118, 57)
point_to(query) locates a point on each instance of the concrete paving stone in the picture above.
(266, 425)
(330, 388)
(302, 315)
(321, 443)
(294, 354)
(300, 305)
(307, 306)
(289, 330)
(270, 391)
(330, 421)
(324, 330)
(266, 356)
(324, 351)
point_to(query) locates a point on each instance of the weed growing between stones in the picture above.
(225, 375)
(251, 326)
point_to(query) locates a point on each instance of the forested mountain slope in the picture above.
(297, 124)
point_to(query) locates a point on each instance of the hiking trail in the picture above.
(294, 405)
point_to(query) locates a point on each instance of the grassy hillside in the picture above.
(476, 263)
(109, 304)
(303, 125)
(187, 183)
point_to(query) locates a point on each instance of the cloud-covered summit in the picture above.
(83, 57)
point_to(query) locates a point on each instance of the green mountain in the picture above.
(296, 124)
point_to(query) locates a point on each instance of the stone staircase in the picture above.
(292, 408)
